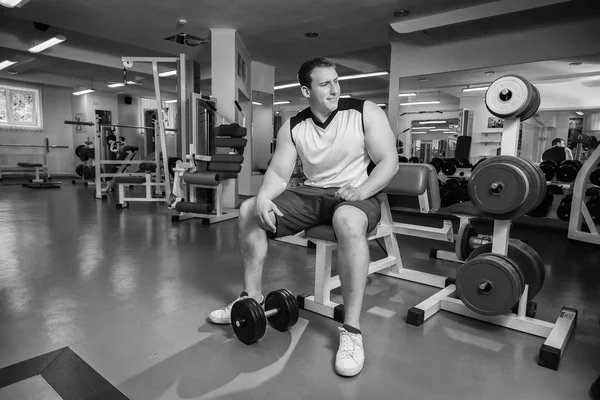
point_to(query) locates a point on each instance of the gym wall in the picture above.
(56, 108)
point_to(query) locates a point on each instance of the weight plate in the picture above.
(499, 186)
(248, 320)
(541, 187)
(527, 260)
(535, 104)
(508, 96)
(489, 284)
(462, 241)
(288, 312)
(549, 168)
(595, 177)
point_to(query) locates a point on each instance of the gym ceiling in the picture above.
(355, 33)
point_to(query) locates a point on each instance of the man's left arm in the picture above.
(381, 146)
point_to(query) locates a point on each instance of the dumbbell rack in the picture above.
(557, 334)
(579, 208)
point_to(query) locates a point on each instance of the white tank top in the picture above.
(333, 153)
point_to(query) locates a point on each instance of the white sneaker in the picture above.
(350, 356)
(222, 316)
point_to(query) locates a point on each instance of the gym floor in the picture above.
(97, 303)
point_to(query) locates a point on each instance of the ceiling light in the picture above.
(475, 89)
(423, 127)
(256, 103)
(115, 85)
(6, 63)
(168, 73)
(85, 91)
(281, 102)
(170, 101)
(345, 96)
(289, 85)
(431, 122)
(48, 43)
(418, 103)
(367, 75)
(13, 3)
(381, 104)
(439, 130)
(406, 94)
(578, 113)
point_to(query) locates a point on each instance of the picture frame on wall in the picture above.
(494, 122)
(575, 129)
(241, 67)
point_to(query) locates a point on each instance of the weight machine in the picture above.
(208, 172)
(39, 169)
(148, 177)
(579, 209)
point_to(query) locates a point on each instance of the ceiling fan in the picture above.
(125, 82)
(187, 39)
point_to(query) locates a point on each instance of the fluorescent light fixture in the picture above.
(407, 94)
(476, 89)
(423, 127)
(13, 3)
(420, 103)
(576, 112)
(381, 104)
(256, 103)
(431, 122)
(114, 85)
(47, 43)
(345, 96)
(85, 91)
(358, 76)
(289, 85)
(168, 73)
(170, 101)
(5, 64)
(281, 102)
(438, 130)
(341, 78)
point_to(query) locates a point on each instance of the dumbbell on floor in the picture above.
(249, 320)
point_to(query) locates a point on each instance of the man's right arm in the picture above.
(282, 165)
(568, 153)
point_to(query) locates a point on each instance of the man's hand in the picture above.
(349, 193)
(263, 207)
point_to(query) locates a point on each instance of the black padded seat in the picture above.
(325, 232)
(466, 208)
(30, 165)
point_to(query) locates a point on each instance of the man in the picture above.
(337, 140)
(558, 152)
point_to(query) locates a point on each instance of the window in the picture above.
(20, 107)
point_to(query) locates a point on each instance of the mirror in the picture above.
(262, 130)
(570, 102)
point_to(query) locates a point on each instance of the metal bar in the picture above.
(127, 126)
(54, 146)
(150, 59)
(79, 123)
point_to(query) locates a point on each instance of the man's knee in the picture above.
(350, 222)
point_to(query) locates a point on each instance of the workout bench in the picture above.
(411, 180)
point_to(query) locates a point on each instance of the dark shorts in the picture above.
(305, 207)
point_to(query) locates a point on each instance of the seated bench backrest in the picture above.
(414, 180)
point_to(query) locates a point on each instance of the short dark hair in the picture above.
(557, 141)
(308, 67)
